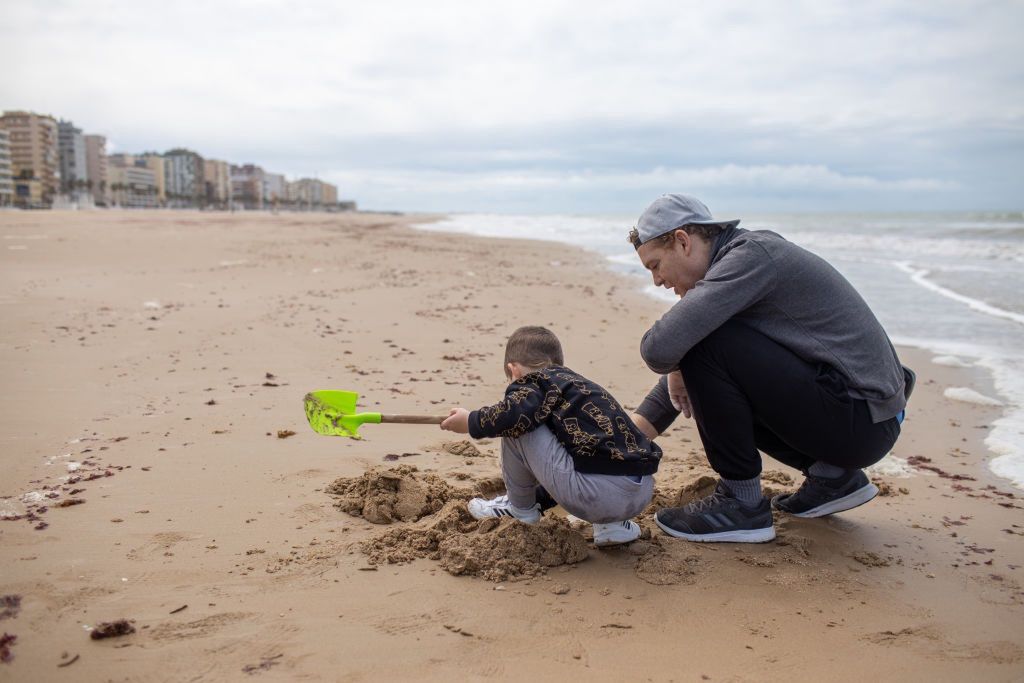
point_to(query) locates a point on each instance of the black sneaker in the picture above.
(818, 496)
(718, 518)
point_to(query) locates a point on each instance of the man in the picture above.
(771, 349)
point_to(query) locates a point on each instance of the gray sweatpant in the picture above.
(537, 458)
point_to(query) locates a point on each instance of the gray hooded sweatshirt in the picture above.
(796, 299)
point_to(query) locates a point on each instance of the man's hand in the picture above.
(457, 421)
(677, 393)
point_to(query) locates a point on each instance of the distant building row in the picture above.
(45, 163)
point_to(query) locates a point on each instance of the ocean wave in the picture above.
(920, 276)
(956, 249)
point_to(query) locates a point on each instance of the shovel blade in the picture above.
(334, 413)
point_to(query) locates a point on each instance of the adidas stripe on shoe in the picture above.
(501, 507)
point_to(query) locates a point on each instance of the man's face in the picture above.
(677, 265)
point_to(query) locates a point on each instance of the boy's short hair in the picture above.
(534, 347)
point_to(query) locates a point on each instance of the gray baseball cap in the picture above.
(670, 212)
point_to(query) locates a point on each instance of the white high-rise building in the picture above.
(74, 174)
(275, 189)
(6, 172)
(184, 178)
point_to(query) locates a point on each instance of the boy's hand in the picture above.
(457, 421)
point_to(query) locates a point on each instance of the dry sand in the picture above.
(154, 366)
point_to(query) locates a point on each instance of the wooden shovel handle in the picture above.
(414, 419)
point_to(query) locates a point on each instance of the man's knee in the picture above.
(731, 337)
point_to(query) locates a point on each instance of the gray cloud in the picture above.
(454, 105)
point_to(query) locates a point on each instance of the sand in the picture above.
(158, 472)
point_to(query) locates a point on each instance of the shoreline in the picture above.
(180, 371)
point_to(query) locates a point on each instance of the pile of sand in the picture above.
(495, 550)
(383, 496)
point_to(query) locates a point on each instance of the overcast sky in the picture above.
(553, 106)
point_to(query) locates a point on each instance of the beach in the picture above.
(158, 468)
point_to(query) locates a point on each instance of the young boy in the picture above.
(567, 434)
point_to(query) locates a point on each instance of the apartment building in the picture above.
(330, 195)
(33, 140)
(96, 168)
(217, 175)
(155, 163)
(309, 193)
(184, 179)
(6, 174)
(74, 173)
(275, 189)
(132, 185)
(247, 189)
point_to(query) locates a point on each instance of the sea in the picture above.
(949, 283)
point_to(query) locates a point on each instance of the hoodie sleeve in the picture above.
(657, 407)
(517, 414)
(743, 276)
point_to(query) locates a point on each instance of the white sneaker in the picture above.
(615, 533)
(501, 507)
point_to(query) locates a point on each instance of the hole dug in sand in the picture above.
(465, 449)
(496, 550)
(669, 564)
(698, 488)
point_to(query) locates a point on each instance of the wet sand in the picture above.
(155, 364)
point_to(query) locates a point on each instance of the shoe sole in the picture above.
(607, 543)
(482, 516)
(738, 536)
(847, 502)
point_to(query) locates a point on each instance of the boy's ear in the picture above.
(510, 371)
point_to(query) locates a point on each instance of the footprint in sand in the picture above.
(197, 628)
(159, 544)
(412, 623)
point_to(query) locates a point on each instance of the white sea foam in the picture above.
(968, 395)
(592, 232)
(661, 294)
(951, 361)
(920, 276)
(1009, 465)
(892, 466)
(920, 246)
(1006, 438)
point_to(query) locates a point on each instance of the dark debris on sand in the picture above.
(10, 605)
(112, 629)
(6, 640)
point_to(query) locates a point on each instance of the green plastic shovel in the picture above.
(334, 413)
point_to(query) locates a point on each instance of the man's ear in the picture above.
(684, 239)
